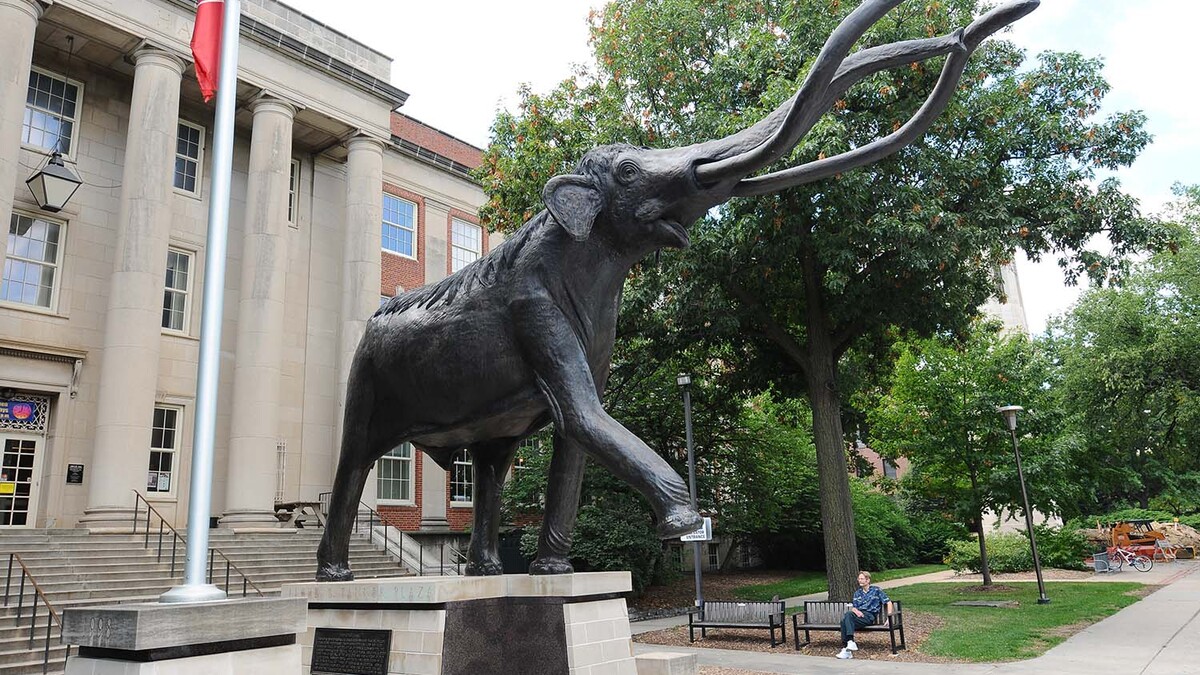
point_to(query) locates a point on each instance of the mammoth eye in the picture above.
(627, 171)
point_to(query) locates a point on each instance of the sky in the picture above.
(459, 60)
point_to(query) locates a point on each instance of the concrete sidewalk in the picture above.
(1160, 634)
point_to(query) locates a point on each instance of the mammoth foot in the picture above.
(679, 521)
(334, 572)
(484, 568)
(551, 565)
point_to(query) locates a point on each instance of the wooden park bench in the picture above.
(824, 615)
(736, 614)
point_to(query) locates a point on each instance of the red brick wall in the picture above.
(461, 517)
(396, 269)
(436, 141)
(465, 217)
(876, 461)
(407, 518)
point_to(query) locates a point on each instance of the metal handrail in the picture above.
(179, 538)
(51, 613)
(458, 558)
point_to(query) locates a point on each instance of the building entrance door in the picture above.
(20, 477)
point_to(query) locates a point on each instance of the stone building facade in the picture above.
(338, 202)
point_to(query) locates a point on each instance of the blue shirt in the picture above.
(870, 601)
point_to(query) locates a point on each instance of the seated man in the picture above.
(867, 603)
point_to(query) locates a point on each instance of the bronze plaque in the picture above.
(350, 651)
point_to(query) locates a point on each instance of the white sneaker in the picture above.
(851, 646)
(845, 654)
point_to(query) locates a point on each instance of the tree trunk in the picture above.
(983, 560)
(833, 477)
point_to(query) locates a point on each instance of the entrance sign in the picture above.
(702, 534)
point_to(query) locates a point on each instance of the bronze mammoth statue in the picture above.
(524, 336)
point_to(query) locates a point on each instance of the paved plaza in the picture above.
(1160, 634)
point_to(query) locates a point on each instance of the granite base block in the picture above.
(508, 625)
(667, 663)
(272, 661)
(228, 637)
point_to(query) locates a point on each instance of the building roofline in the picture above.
(439, 131)
(339, 69)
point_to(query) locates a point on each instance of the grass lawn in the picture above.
(1002, 634)
(814, 582)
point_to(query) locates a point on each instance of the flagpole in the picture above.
(195, 587)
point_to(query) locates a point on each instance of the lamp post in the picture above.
(1010, 416)
(685, 381)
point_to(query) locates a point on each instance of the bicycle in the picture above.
(1119, 556)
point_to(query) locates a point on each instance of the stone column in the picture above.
(437, 241)
(360, 256)
(437, 264)
(18, 20)
(133, 323)
(252, 469)
(433, 494)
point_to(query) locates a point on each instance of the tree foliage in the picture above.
(1130, 358)
(778, 288)
(940, 413)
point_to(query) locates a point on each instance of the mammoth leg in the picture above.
(551, 348)
(333, 555)
(358, 453)
(562, 505)
(490, 462)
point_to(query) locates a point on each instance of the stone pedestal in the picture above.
(228, 637)
(575, 624)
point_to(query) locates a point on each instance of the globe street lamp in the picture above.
(685, 381)
(1010, 416)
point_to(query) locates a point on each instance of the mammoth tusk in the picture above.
(801, 113)
(960, 45)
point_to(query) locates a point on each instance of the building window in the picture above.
(394, 475)
(293, 190)
(461, 483)
(466, 244)
(177, 290)
(164, 440)
(889, 468)
(714, 556)
(51, 112)
(399, 226)
(188, 146)
(31, 265)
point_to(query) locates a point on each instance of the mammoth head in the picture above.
(640, 195)
(649, 197)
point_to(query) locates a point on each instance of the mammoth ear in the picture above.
(574, 201)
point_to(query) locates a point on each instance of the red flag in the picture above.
(206, 45)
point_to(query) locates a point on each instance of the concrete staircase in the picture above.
(74, 569)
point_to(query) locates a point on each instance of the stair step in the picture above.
(75, 568)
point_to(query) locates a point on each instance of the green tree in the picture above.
(1130, 358)
(779, 288)
(941, 414)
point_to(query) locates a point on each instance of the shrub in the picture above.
(932, 535)
(1007, 552)
(1133, 514)
(1064, 548)
(885, 537)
